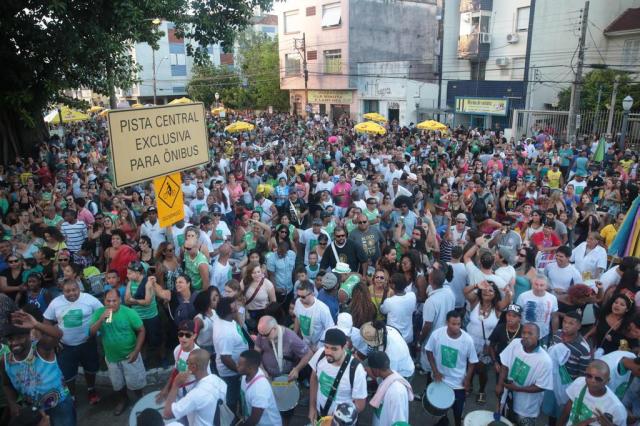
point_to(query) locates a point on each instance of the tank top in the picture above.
(38, 300)
(476, 321)
(40, 382)
(145, 311)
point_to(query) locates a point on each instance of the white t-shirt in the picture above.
(476, 276)
(398, 352)
(221, 274)
(399, 311)
(326, 374)
(259, 394)
(313, 320)
(437, 306)
(394, 407)
(74, 319)
(180, 365)
(222, 234)
(227, 340)
(459, 282)
(310, 241)
(538, 309)
(618, 383)
(507, 273)
(606, 404)
(594, 259)
(200, 404)
(526, 369)
(609, 278)
(452, 355)
(562, 278)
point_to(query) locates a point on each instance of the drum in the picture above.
(147, 401)
(438, 398)
(484, 418)
(286, 393)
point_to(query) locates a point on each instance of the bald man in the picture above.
(122, 333)
(199, 405)
(283, 351)
(591, 401)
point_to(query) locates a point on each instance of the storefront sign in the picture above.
(151, 142)
(336, 97)
(488, 106)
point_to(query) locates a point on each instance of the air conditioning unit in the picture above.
(485, 38)
(512, 38)
(502, 62)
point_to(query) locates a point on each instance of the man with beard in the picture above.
(347, 251)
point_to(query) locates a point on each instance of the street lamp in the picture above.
(156, 22)
(627, 103)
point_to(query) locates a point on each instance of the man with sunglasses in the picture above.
(591, 401)
(313, 317)
(347, 251)
(368, 238)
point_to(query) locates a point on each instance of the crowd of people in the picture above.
(340, 262)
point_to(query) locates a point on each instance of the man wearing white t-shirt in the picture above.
(485, 272)
(434, 312)
(312, 316)
(623, 365)
(391, 400)
(399, 308)
(561, 273)
(452, 357)
(328, 363)
(199, 405)
(381, 337)
(309, 238)
(539, 306)
(259, 407)
(527, 371)
(590, 258)
(591, 401)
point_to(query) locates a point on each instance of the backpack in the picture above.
(479, 210)
(352, 367)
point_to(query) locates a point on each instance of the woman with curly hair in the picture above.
(379, 290)
(609, 330)
(362, 308)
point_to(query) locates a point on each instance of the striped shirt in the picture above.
(75, 234)
(580, 354)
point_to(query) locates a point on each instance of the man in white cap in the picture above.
(359, 187)
(459, 230)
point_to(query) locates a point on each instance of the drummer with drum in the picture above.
(258, 403)
(452, 357)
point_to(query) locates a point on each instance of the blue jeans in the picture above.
(63, 414)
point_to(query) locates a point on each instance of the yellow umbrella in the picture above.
(374, 116)
(180, 101)
(104, 113)
(370, 127)
(239, 126)
(137, 105)
(95, 109)
(217, 111)
(431, 125)
(68, 115)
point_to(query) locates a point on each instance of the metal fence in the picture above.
(529, 122)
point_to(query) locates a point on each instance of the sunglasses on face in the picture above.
(13, 261)
(63, 259)
(302, 297)
(266, 334)
(185, 335)
(362, 222)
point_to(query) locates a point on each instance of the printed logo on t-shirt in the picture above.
(73, 318)
(244, 339)
(449, 356)
(219, 235)
(326, 382)
(580, 412)
(305, 324)
(565, 377)
(621, 390)
(519, 371)
(181, 365)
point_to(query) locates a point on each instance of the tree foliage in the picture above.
(602, 80)
(47, 46)
(253, 83)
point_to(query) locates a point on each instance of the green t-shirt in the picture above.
(118, 336)
(145, 311)
(52, 222)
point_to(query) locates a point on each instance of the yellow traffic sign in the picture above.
(169, 199)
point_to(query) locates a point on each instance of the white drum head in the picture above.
(440, 395)
(147, 401)
(287, 393)
(482, 418)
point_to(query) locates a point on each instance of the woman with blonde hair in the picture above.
(258, 291)
(379, 290)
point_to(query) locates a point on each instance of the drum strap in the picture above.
(334, 386)
(255, 379)
(277, 349)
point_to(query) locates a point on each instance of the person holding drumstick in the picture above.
(259, 406)
(452, 356)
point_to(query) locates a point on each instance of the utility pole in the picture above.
(302, 50)
(576, 88)
(612, 106)
(153, 66)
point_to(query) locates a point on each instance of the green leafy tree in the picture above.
(207, 80)
(601, 80)
(47, 46)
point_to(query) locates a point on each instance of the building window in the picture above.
(478, 70)
(178, 90)
(178, 70)
(312, 55)
(331, 15)
(292, 64)
(333, 61)
(370, 106)
(178, 59)
(226, 59)
(631, 52)
(311, 11)
(291, 22)
(522, 20)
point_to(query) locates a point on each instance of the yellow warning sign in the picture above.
(169, 199)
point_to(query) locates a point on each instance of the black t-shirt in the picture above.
(351, 253)
(13, 282)
(499, 339)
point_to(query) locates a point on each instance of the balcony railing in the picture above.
(475, 5)
(474, 46)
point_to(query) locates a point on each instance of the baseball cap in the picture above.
(329, 281)
(461, 216)
(152, 209)
(334, 336)
(345, 323)
(216, 210)
(516, 309)
(187, 325)
(136, 266)
(251, 171)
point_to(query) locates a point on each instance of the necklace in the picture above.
(510, 338)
